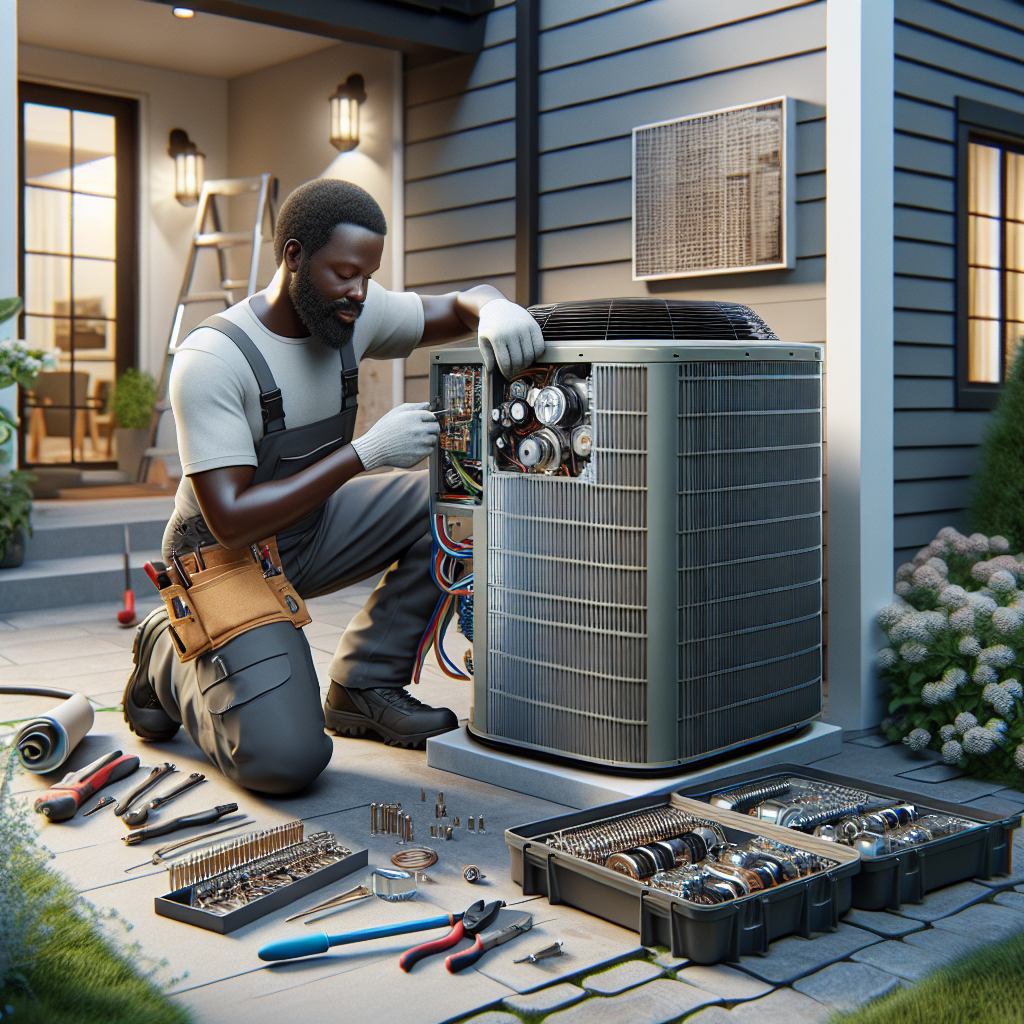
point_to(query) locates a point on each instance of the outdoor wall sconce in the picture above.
(345, 102)
(189, 167)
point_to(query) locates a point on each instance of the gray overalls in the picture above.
(254, 705)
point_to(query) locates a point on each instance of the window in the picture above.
(990, 294)
(78, 157)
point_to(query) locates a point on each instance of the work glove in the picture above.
(509, 336)
(402, 437)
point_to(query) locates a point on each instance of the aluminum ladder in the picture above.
(265, 187)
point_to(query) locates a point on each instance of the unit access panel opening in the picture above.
(458, 405)
(541, 421)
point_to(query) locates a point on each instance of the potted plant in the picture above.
(132, 402)
(19, 367)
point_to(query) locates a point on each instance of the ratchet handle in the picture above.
(459, 961)
(413, 956)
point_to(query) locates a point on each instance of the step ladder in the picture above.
(208, 215)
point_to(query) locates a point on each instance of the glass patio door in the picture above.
(78, 254)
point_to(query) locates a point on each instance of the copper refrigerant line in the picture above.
(870, 824)
(675, 852)
(388, 819)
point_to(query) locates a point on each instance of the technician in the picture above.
(256, 465)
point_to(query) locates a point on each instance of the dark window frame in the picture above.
(982, 123)
(126, 280)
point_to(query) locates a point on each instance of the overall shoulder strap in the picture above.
(349, 377)
(271, 405)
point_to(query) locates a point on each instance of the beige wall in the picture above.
(278, 122)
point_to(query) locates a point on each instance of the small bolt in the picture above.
(472, 823)
(480, 826)
(472, 874)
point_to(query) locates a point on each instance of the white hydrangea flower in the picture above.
(1007, 620)
(947, 533)
(957, 676)
(970, 646)
(964, 722)
(980, 541)
(930, 693)
(1002, 582)
(1018, 757)
(923, 555)
(1012, 686)
(914, 653)
(998, 655)
(962, 545)
(915, 626)
(999, 698)
(985, 675)
(998, 728)
(999, 543)
(887, 657)
(902, 588)
(890, 615)
(947, 733)
(952, 752)
(954, 597)
(962, 620)
(939, 566)
(982, 602)
(981, 571)
(927, 576)
(979, 741)
(1007, 562)
(905, 571)
(917, 739)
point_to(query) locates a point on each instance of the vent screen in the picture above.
(709, 193)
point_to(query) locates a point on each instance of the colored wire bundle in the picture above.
(445, 567)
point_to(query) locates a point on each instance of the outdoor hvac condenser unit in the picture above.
(646, 510)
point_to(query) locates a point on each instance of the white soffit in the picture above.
(147, 33)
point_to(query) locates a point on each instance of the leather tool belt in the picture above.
(230, 596)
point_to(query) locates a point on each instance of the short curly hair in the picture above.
(311, 213)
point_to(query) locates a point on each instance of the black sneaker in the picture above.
(391, 712)
(142, 710)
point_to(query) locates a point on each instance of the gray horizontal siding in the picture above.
(456, 227)
(944, 49)
(461, 188)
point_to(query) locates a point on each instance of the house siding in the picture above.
(943, 49)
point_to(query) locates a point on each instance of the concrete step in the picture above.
(76, 553)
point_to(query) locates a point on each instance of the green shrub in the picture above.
(997, 499)
(132, 399)
(956, 647)
(15, 506)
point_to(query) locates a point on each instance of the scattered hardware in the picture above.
(240, 880)
(387, 820)
(480, 830)
(433, 831)
(469, 925)
(138, 817)
(542, 954)
(62, 801)
(423, 795)
(164, 828)
(689, 848)
(147, 783)
(510, 923)
(104, 802)
(360, 892)
(598, 841)
(472, 823)
(175, 850)
(472, 874)
(416, 858)
(393, 886)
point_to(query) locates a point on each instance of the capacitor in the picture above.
(558, 405)
(518, 389)
(582, 441)
(518, 412)
(541, 449)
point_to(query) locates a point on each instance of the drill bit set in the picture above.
(237, 881)
(669, 849)
(872, 825)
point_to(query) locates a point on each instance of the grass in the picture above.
(985, 987)
(77, 976)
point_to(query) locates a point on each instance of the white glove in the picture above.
(402, 437)
(509, 336)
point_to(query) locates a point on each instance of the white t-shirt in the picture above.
(216, 399)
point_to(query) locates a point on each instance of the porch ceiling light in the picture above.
(189, 167)
(345, 102)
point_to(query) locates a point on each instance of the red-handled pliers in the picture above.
(476, 918)
(507, 925)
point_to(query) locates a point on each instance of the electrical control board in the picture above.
(458, 403)
(541, 421)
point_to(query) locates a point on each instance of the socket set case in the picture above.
(888, 880)
(704, 934)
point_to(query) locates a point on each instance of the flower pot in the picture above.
(130, 444)
(14, 553)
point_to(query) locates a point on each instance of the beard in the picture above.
(318, 314)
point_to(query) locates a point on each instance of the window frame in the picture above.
(125, 112)
(985, 124)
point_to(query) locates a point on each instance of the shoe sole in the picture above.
(342, 724)
(149, 639)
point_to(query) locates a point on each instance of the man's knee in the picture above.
(283, 769)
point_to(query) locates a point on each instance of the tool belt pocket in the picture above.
(227, 599)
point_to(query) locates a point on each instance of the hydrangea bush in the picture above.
(955, 654)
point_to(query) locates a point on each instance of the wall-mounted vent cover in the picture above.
(714, 193)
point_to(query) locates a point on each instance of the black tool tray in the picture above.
(905, 876)
(176, 904)
(704, 934)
